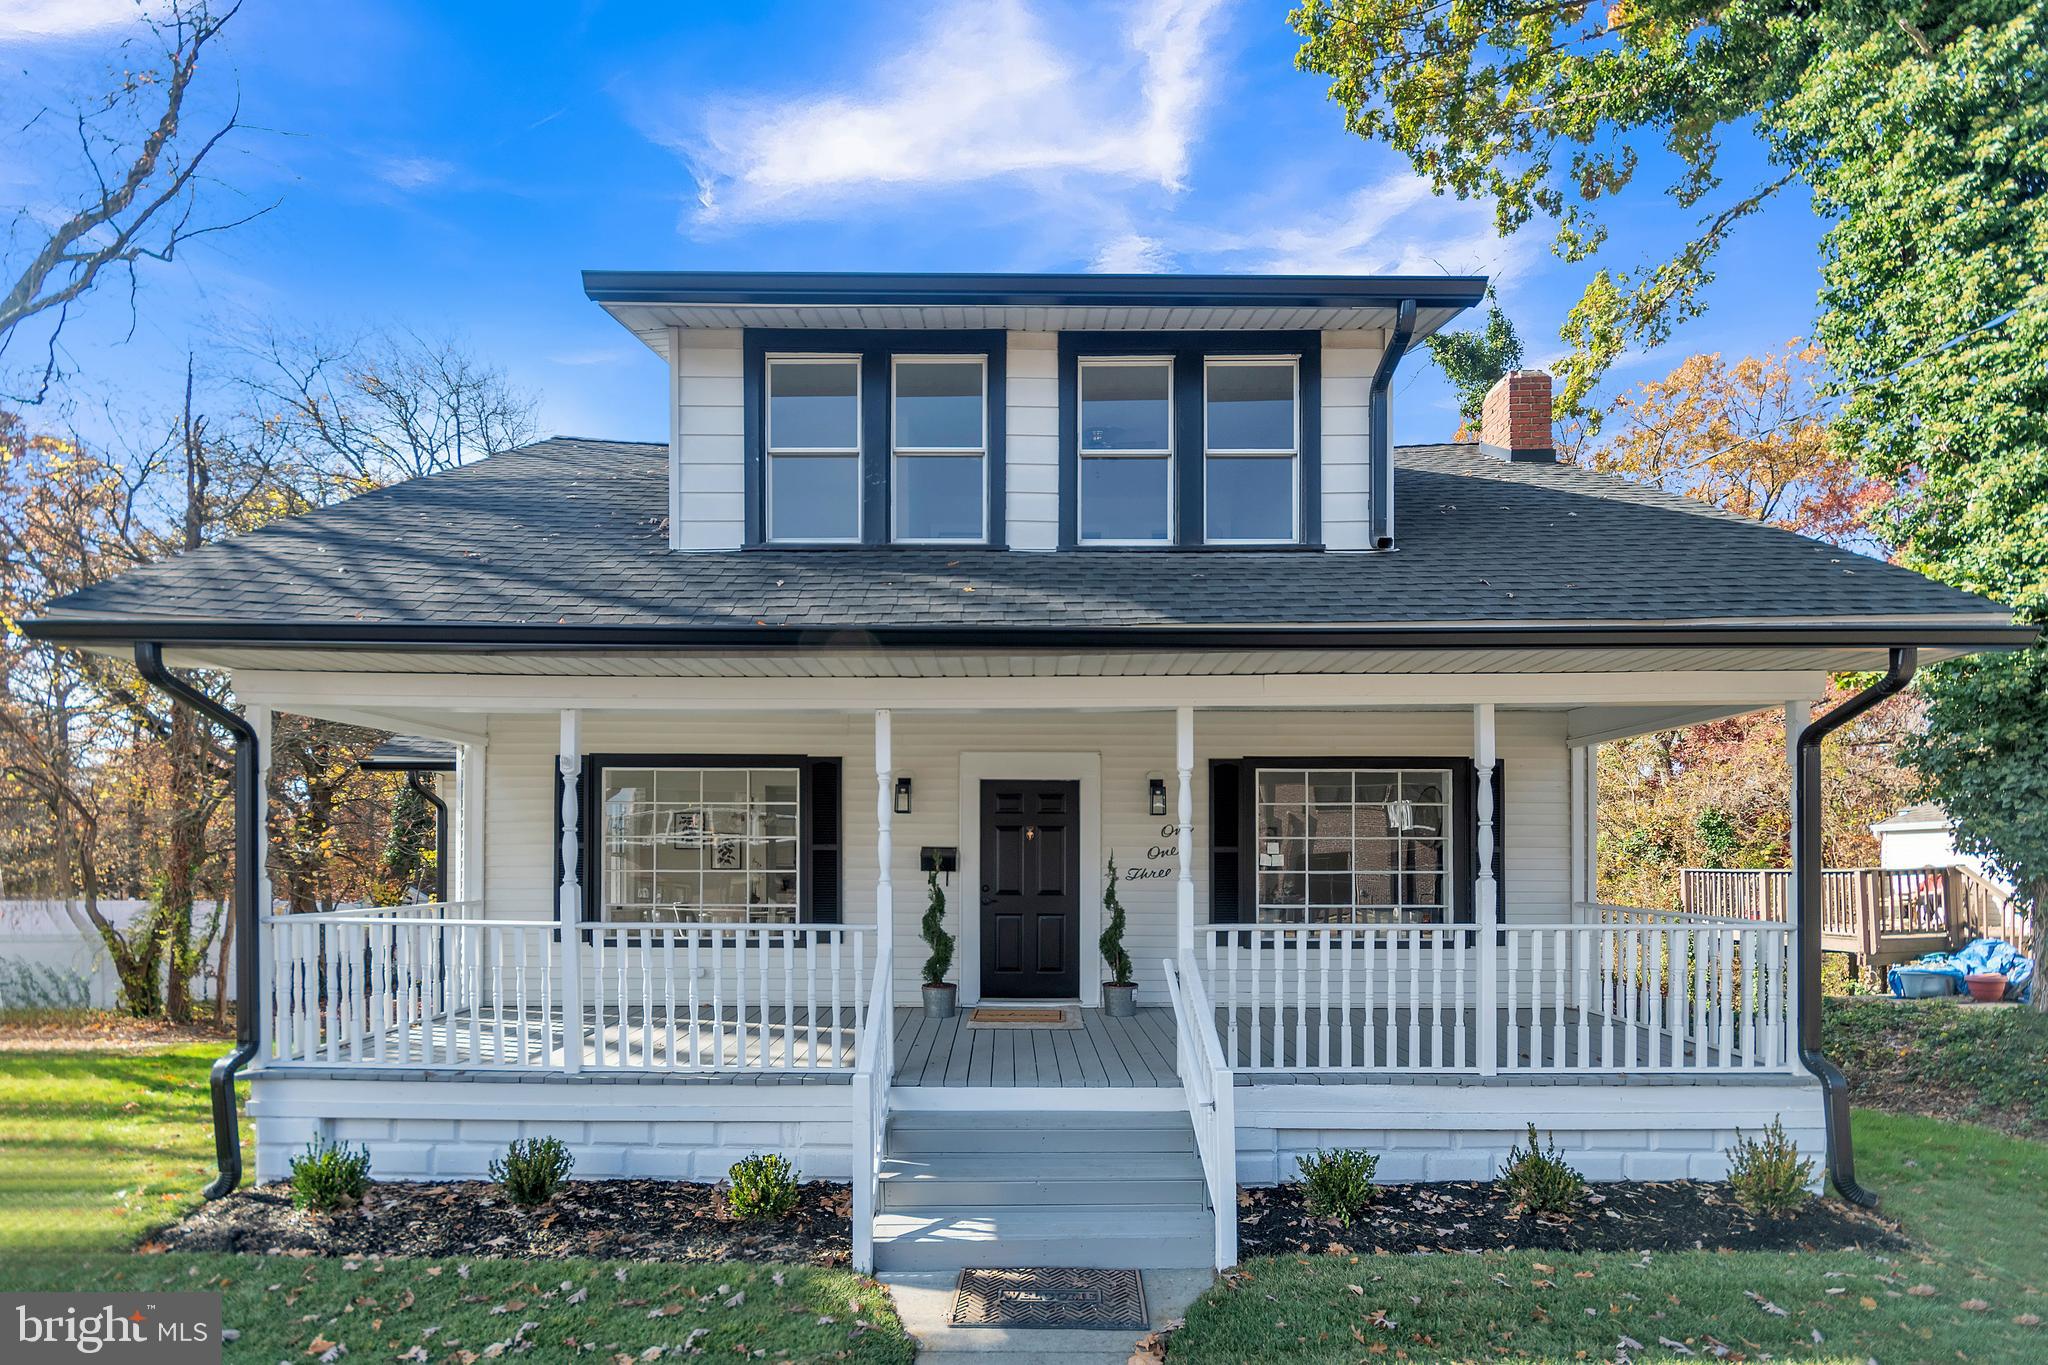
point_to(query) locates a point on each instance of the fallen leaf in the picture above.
(1922, 1291)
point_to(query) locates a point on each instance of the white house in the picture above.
(1011, 575)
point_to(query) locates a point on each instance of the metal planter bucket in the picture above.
(1119, 1002)
(939, 1001)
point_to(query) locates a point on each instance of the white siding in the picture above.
(1031, 494)
(706, 449)
(1349, 359)
(1132, 745)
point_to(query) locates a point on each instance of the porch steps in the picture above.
(1027, 1189)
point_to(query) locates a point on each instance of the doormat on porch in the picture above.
(1054, 1298)
(1023, 1016)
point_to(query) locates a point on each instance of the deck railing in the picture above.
(1868, 911)
(442, 986)
(874, 1072)
(1615, 990)
(1208, 1083)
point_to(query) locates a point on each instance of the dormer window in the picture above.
(814, 446)
(1126, 452)
(1251, 435)
(939, 427)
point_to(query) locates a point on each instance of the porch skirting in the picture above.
(1451, 1131)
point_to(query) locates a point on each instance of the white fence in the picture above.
(441, 986)
(52, 956)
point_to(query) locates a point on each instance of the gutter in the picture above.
(1806, 912)
(227, 1139)
(415, 780)
(1380, 425)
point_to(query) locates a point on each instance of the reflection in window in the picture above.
(1353, 846)
(1250, 444)
(1126, 451)
(940, 436)
(700, 845)
(813, 444)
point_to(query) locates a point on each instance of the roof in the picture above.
(410, 753)
(1925, 815)
(649, 303)
(563, 545)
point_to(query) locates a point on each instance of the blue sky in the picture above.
(451, 167)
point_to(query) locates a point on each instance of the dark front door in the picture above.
(1030, 890)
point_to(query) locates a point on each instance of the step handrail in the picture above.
(873, 1071)
(1210, 1088)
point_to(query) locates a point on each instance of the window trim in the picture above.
(1164, 454)
(1292, 454)
(1189, 350)
(874, 347)
(899, 452)
(771, 454)
(590, 818)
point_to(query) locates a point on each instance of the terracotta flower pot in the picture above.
(1986, 986)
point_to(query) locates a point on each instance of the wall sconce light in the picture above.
(903, 796)
(1155, 788)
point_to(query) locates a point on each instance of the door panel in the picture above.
(1030, 902)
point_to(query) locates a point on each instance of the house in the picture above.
(1923, 835)
(1005, 575)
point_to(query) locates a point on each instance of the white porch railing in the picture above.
(874, 1071)
(1617, 990)
(441, 986)
(1209, 1085)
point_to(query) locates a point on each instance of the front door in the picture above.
(1030, 890)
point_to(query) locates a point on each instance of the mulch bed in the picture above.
(638, 1220)
(1475, 1215)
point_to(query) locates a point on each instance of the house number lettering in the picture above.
(1156, 855)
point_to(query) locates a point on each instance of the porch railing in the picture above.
(442, 986)
(874, 1073)
(1614, 990)
(1868, 911)
(1208, 1083)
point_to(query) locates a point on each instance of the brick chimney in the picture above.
(1514, 422)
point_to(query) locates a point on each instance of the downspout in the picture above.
(427, 794)
(1380, 425)
(227, 1138)
(1806, 910)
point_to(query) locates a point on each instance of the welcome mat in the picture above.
(1023, 1016)
(1051, 1297)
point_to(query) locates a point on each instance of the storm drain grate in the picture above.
(1051, 1297)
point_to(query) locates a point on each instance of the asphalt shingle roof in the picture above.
(572, 532)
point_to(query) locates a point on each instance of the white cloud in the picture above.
(1132, 254)
(981, 94)
(33, 20)
(413, 172)
(1394, 227)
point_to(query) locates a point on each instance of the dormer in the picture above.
(1030, 412)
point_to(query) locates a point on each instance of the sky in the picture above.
(449, 168)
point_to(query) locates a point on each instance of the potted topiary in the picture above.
(1119, 993)
(939, 993)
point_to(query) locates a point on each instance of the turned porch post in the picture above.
(1184, 838)
(1485, 891)
(569, 897)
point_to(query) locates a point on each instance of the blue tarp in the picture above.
(1985, 955)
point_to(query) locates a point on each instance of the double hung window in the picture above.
(814, 448)
(939, 448)
(1251, 451)
(1126, 494)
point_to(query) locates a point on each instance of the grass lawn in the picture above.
(1976, 1199)
(98, 1147)
(1986, 1064)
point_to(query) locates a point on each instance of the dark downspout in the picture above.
(227, 1138)
(425, 788)
(1806, 905)
(1380, 423)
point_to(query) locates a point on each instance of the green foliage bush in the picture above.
(932, 928)
(1337, 1183)
(532, 1169)
(330, 1175)
(1768, 1174)
(763, 1188)
(1539, 1180)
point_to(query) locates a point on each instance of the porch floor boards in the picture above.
(1103, 1053)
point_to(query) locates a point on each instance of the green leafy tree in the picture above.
(1475, 361)
(1113, 924)
(939, 960)
(407, 862)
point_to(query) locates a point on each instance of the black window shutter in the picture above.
(821, 850)
(1226, 858)
(1500, 837)
(555, 824)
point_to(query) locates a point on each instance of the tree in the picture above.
(1545, 107)
(139, 166)
(1475, 361)
(407, 862)
(1752, 438)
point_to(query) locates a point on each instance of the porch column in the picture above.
(467, 847)
(885, 836)
(1485, 891)
(1184, 838)
(1797, 715)
(1580, 893)
(569, 895)
(259, 1008)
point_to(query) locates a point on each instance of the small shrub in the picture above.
(1539, 1180)
(330, 1175)
(932, 929)
(1114, 958)
(763, 1188)
(1767, 1173)
(532, 1169)
(1338, 1184)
